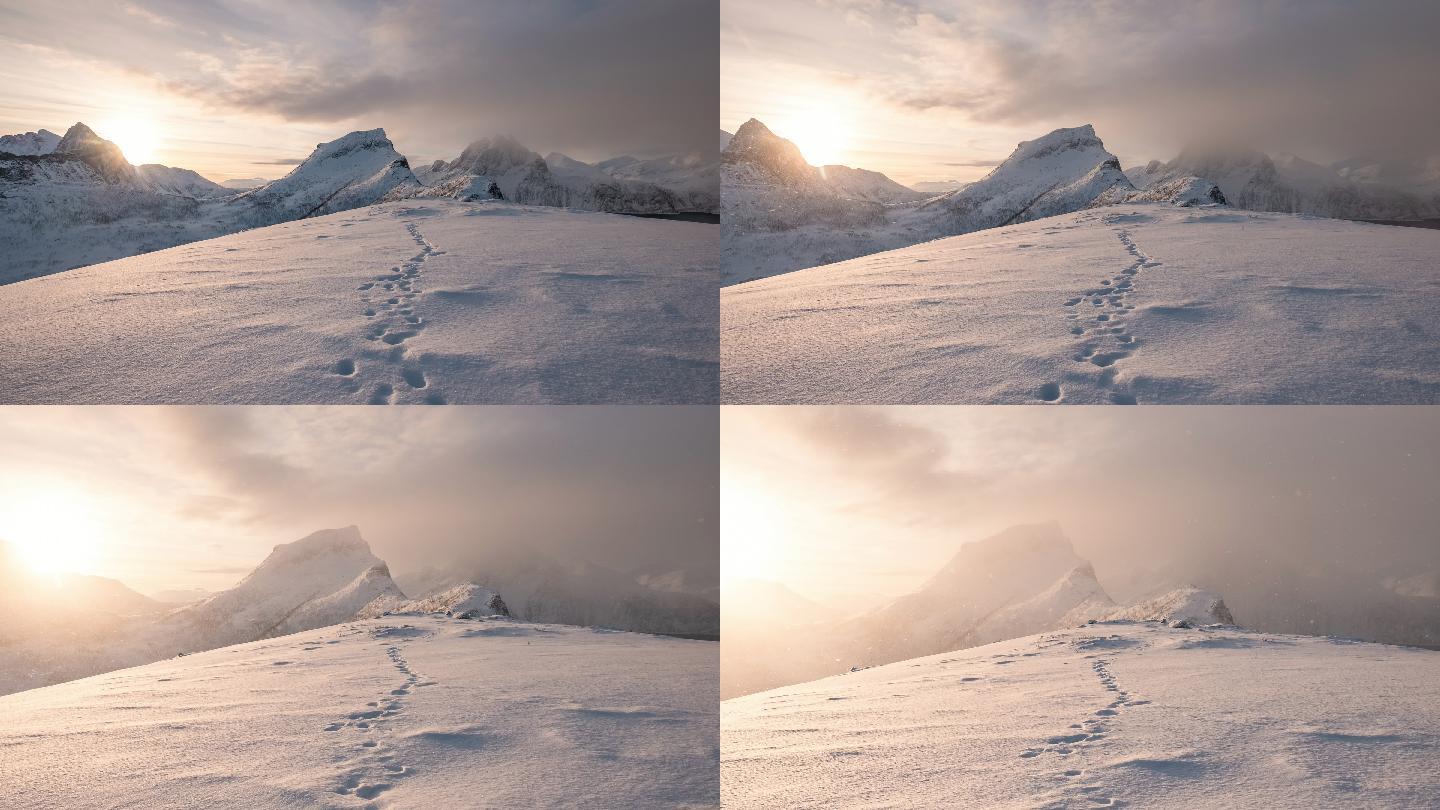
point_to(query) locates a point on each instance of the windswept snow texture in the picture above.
(412, 712)
(1108, 715)
(1145, 303)
(429, 301)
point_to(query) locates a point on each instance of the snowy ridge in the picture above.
(178, 181)
(464, 601)
(1189, 604)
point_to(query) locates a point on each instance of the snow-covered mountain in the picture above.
(178, 181)
(1064, 171)
(1132, 714)
(540, 588)
(863, 184)
(402, 711)
(42, 142)
(357, 170)
(502, 168)
(781, 214)
(321, 579)
(1255, 181)
(1140, 302)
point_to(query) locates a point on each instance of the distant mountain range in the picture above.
(780, 214)
(57, 630)
(74, 200)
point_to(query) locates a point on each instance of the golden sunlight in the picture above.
(51, 531)
(135, 136)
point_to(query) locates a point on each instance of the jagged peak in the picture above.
(78, 136)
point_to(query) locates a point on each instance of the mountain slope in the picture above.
(1119, 714)
(407, 712)
(1147, 303)
(408, 302)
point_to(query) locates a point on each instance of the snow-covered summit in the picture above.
(40, 142)
(299, 584)
(1063, 171)
(358, 169)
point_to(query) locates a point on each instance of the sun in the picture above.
(751, 533)
(50, 530)
(136, 137)
(822, 135)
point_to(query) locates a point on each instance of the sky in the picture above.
(247, 88)
(928, 90)
(854, 506)
(185, 497)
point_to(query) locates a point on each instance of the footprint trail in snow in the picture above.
(1097, 317)
(388, 301)
(368, 767)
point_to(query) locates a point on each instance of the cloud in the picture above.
(1331, 78)
(598, 77)
(628, 487)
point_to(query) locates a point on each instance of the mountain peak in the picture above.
(104, 157)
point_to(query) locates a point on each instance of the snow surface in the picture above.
(412, 712)
(1108, 715)
(408, 302)
(1141, 303)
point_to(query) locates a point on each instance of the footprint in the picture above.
(345, 368)
(414, 377)
(383, 394)
(1050, 392)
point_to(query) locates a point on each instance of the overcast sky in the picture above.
(233, 86)
(172, 497)
(853, 506)
(942, 89)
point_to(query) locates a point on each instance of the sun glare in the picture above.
(751, 534)
(51, 532)
(821, 135)
(136, 137)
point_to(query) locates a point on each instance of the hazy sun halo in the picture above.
(135, 136)
(51, 531)
(751, 534)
